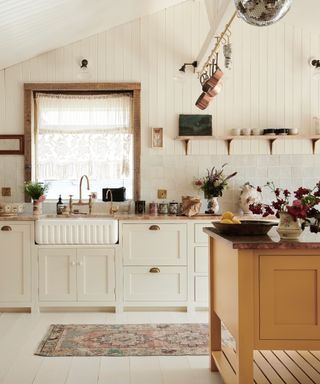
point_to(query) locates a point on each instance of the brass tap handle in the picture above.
(70, 204)
(90, 204)
(154, 270)
(154, 228)
(6, 228)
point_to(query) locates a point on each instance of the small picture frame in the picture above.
(11, 144)
(157, 138)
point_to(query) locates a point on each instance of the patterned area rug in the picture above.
(125, 340)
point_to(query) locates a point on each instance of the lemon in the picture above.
(236, 221)
(227, 215)
(226, 221)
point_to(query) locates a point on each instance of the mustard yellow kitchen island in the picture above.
(267, 294)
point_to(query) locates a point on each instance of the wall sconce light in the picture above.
(194, 64)
(84, 64)
(315, 63)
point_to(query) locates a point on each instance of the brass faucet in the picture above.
(89, 203)
(113, 209)
(80, 187)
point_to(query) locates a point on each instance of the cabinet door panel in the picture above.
(161, 244)
(201, 259)
(96, 274)
(201, 289)
(199, 235)
(15, 262)
(57, 274)
(169, 284)
(289, 297)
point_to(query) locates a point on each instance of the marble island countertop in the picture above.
(307, 240)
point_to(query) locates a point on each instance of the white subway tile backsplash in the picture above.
(239, 105)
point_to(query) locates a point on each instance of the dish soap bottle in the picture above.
(59, 206)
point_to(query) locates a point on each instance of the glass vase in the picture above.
(288, 228)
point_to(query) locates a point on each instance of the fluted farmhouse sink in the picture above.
(76, 230)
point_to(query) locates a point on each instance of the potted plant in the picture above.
(213, 185)
(36, 190)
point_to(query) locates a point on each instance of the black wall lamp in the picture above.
(194, 64)
(84, 64)
(315, 63)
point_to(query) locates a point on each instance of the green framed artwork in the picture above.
(195, 125)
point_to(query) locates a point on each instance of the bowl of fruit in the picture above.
(229, 225)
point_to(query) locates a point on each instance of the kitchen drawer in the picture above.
(199, 235)
(201, 259)
(169, 284)
(201, 289)
(149, 243)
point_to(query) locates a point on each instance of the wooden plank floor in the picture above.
(20, 334)
(274, 367)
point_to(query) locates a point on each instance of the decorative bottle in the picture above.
(59, 206)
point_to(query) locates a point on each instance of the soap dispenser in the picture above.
(59, 206)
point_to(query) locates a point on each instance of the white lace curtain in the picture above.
(84, 134)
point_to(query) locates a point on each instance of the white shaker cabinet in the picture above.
(199, 247)
(154, 263)
(76, 275)
(154, 243)
(15, 263)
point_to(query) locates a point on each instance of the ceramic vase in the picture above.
(248, 196)
(288, 228)
(213, 205)
(37, 207)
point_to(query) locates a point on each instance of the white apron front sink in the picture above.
(84, 230)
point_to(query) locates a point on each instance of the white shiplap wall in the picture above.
(270, 86)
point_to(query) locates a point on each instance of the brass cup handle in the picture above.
(6, 228)
(154, 228)
(154, 270)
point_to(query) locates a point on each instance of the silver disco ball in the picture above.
(262, 12)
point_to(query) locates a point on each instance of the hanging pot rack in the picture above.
(220, 39)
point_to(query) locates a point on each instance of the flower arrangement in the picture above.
(36, 190)
(299, 205)
(214, 182)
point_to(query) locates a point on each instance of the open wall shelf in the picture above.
(229, 139)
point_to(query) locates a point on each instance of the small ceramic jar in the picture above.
(153, 208)
(140, 206)
(245, 131)
(173, 208)
(163, 208)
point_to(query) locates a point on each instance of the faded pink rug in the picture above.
(125, 340)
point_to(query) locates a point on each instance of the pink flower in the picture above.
(198, 183)
(42, 198)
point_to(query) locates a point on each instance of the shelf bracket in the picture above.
(314, 142)
(271, 141)
(229, 145)
(186, 142)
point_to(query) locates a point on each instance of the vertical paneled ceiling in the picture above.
(31, 27)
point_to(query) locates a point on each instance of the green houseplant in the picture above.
(36, 191)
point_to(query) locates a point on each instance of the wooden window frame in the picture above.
(29, 92)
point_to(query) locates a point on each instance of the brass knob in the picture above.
(154, 270)
(6, 228)
(154, 228)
